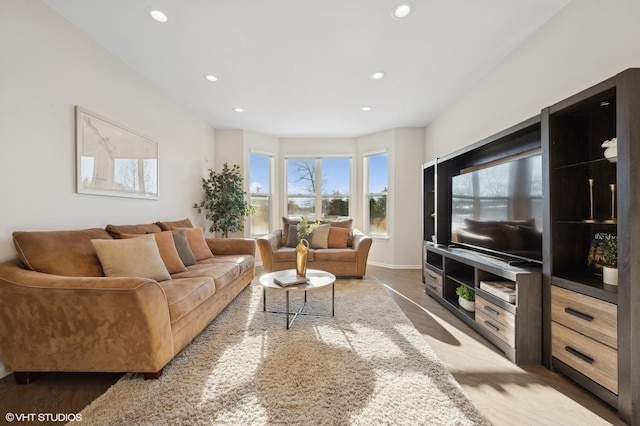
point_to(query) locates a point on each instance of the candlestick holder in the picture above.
(612, 219)
(591, 219)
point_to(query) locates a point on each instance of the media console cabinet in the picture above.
(514, 327)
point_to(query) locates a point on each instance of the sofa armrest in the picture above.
(267, 245)
(58, 323)
(361, 244)
(222, 246)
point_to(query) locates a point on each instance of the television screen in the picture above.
(499, 208)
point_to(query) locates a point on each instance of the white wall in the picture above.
(47, 68)
(587, 42)
(404, 146)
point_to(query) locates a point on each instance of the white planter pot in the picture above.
(466, 305)
(610, 275)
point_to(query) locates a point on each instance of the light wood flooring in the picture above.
(505, 393)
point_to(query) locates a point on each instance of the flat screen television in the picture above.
(497, 208)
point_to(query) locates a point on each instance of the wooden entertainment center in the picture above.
(563, 316)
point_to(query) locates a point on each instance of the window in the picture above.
(318, 185)
(377, 178)
(260, 193)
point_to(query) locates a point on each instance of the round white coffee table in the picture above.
(315, 279)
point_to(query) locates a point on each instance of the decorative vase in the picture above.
(610, 275)
(301, 257)
(466, 304)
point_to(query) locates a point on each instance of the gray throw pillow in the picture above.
(183, 247)
(292, 237)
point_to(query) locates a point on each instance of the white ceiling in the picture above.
(301, 68)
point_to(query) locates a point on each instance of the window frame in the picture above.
(367, 194)
(318, 196)
(269, 194)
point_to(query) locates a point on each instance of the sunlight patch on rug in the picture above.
(367, 365)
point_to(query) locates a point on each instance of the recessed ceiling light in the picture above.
(238, 109)
(378, 75)
(158, 15)
(211, 77)
(365, 108)
(402, 10)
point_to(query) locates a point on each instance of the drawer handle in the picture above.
(579, 354)
(491, 310)
(433, 277)
(433, 287)
(578, 314)
(491, 326)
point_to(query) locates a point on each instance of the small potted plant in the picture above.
(609, 261)
(466, 298)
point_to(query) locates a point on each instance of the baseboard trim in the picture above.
(390, 266)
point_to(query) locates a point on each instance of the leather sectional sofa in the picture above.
(72, 301)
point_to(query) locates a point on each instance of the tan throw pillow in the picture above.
(167, 248)
(198, 244)
(319, 237)
(134, 257)
(183, 247)
(338, 237)
(345, 223)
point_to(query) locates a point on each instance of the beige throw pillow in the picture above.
(167, 248)
(135, 257)
(319, 237)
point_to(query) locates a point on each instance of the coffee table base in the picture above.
(301, 308)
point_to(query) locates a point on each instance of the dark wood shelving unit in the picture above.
(573, 132)
(576, 213)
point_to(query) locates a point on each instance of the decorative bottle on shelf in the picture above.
(302, 249)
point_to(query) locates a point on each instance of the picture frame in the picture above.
(113, 160)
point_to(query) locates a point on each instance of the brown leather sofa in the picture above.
(59, 312)
(345, 258)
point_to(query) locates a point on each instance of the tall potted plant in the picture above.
(609, 261)
(224, 204)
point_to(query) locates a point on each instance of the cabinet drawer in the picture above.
(587, 315)
(504, 333)
(496, 313)
(433, 281)
(593, 359)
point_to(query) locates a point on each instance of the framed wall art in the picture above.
(113, 160)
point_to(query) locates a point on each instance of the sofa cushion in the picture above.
(222, 273)
(198, 243)
(68, 253)
(183, 247)
(185, 294)
(116, 230)
(167, 248)
(135, 257)
(319, 238)
(244, 261)
(338, 237)
(288, 254)
(336, 255)
(168, 226)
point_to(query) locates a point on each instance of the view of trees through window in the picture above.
(378, 188)
(260, 193)
(318, 184)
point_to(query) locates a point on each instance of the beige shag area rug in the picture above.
(368, 365)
